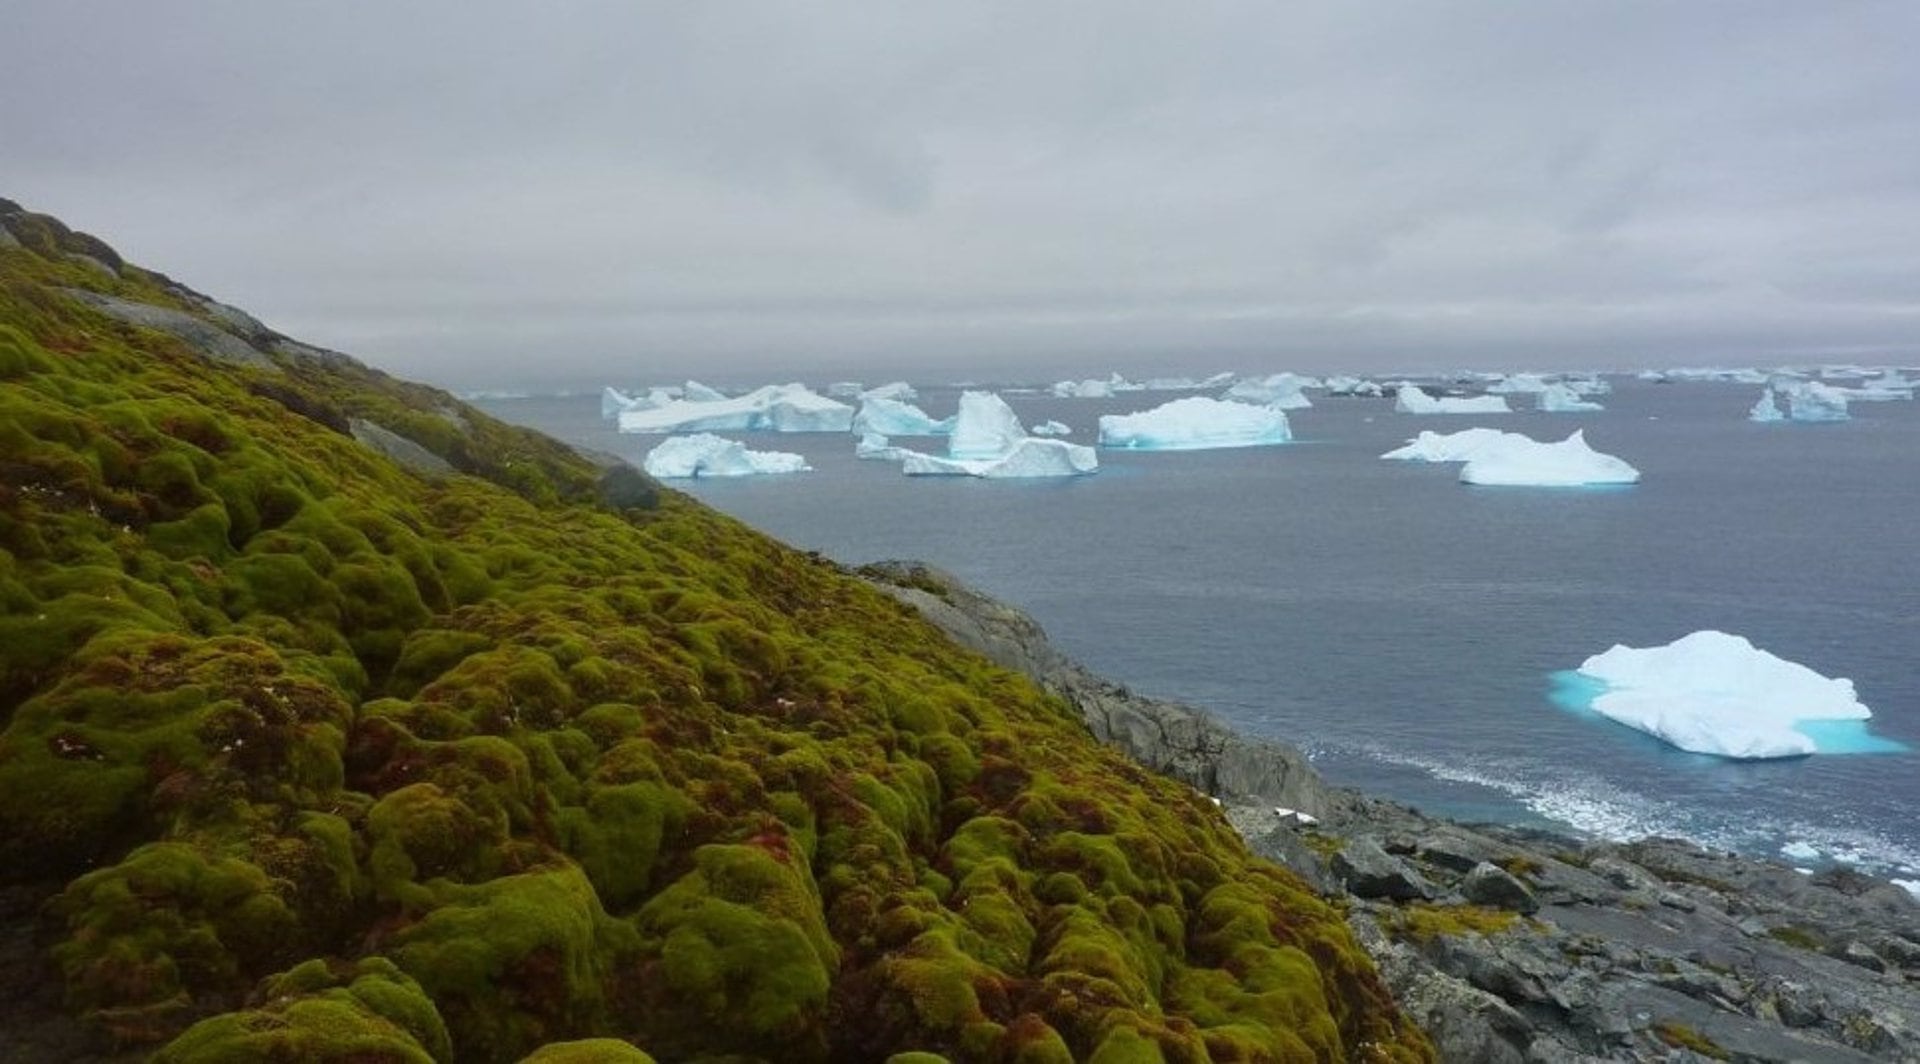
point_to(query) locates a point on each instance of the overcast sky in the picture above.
(487, 194)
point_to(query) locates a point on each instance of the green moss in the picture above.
(1422, 922)
(588, 1051)
(1797, 937)
(578, 772)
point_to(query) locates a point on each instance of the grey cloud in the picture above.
(789, 189)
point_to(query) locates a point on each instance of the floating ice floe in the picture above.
(1765, 409)
(1195, 423)
(1051, 428)
(1282, 391)
(988, 441)
(1735, 375)
(875, 446)
(1459, 446)
(706, 455)
(1561, 399)
(1813, 401)
(1528, 463)
(774, 408)
(1715, 693)
(894, 417)
(1410, 399)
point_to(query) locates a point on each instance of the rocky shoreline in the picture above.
(1517, 945)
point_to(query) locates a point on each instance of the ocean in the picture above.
(1404, 628)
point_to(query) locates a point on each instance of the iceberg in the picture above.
(774, 408)
(706, 455)
(987, 441)
(1527, 463)
(1453, 446)
(1561, 399)
(1519, 384)
(695, 392)
(1282, 391)
(1087, 389)
(1195, 423)
(1028, 457)
(1412, 400)
(1051, 428)
(893, 417)
(845, 390)
(1765, 409)
(873, 445)
(613, 402)
(1715, 693)
(1352, 386)
(898, 391)
(985, 427)
(1813, 401)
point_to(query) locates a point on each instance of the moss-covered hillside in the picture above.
(345, 723)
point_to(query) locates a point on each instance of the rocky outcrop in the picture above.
(1175, 739)
(399, 448)
(1508, 944)
(201, 335)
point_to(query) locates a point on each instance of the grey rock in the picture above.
(1624, 875)
(1173, 739)
(204, 337)
(1283, 846)
(1371, 872)
(399, 448)
(1857, 953)
(93, 264)
(1491, 885)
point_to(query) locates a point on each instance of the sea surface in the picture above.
(1403, 628)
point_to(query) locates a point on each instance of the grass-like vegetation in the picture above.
(1680, 1036)
(334, 762)
(1424, 922)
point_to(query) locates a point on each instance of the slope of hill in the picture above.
(343, 722)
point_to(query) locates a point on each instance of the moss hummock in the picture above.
(347, 764)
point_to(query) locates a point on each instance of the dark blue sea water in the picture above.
(1404, 628)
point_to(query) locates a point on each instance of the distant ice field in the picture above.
(1405, 628)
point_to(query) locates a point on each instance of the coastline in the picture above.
(1513, 944)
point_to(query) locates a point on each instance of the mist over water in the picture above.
(1406, 629)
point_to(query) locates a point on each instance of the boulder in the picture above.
(1371, 872)
(1490, 885)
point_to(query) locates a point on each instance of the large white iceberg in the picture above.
(706, 455)
(1714, 693)
(1765, 410)
(1459, 446)
(1813, 401)
(1195, 423)
(1028, 457)
(1561, 399)
(988, 441)
(985, 427)
(893, 417)
(1412, 400)
(1282, 391)
(613, 402)
(694, 391)
(774, 408)
(1525, 463)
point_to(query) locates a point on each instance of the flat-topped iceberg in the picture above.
(774, 408)
(1562, 399)
(706, 455)
(1282, 391)
(1526, 463)
(1029, 457)
(1410, 399)
(1195, 423)
(894, 417)
(1459, 446)
(1715, 693)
